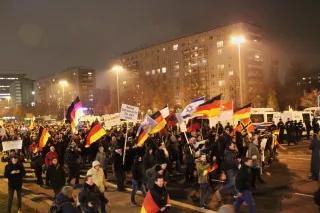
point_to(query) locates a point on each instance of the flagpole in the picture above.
(185, 135)
(125, 144)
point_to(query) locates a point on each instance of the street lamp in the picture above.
(63, 84)
(117, 69)
(238, 40)
(8, 99)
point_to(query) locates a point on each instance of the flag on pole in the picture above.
(144, 129)
(160, 122)
(95, 133)
(190, 108)
(242, 113)
(74, 113)
(210, 108)
(44, 136)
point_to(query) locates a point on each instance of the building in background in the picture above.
(203, 64)
(17, 89)
(56, 92)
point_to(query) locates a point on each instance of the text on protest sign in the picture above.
(129, 112)
(9, 145)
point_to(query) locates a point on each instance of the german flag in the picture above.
(242, 113)
(149, 205)
(142, 137)
(44, 136)
(74, 113)
(160, 120)
(210, 108)
(211, 169)
(96, 132)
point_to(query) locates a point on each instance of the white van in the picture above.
(263, 117)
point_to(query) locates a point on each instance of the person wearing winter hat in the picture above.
(98, 175)
(98, 178)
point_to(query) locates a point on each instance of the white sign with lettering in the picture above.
(129, 112)
(8, 145)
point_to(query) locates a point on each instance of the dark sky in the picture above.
(38, 37)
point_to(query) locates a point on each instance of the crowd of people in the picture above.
(206, 156)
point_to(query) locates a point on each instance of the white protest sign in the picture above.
(129, 112)
(111, 120)
(8, 145)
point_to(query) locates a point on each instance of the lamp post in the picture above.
(8, 99)
(63, 84)
(117, 69)
(238, 40)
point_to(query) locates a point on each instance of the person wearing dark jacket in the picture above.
(230, 167)
(119, 168)
(137, 179)
(36, 164)
(158, 195)
(15, 172)
(56, 176)
(89, 196)
(244, 186)
(72, 156)
(65, 201)
(149, 159)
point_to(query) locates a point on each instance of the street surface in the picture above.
(287, 188)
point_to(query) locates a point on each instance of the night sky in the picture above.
(38, 37)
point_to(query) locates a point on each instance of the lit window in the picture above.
(204, 61)
(124, 82)
(164, 49)
(164, 69)
(147, 73)
(175, 47)
(219, 51)
(220, 66)
(158, 70)
(220, 44)
(221, 83)
(195, 47)
(89, 73)
(176, 67)
(231, 73)
(153, 72)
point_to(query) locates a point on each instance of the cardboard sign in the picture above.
(111, 120)
(129, 112)
(9, 145)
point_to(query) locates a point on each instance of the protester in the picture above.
(98, 179)
(72, 159)
(66, 202)
(90, 197)
(102, 158)
(56, 176)
(205, 188)
(157, 195)
(244, 186)
(315, 156)
(14, 172)
(137, 179)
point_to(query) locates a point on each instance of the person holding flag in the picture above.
(74, 113)
(203, 170)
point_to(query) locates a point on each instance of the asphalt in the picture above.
(287, 188)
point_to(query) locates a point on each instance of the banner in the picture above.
(129, 112)
(8, 145)
(111, 120)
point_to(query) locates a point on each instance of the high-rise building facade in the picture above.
(56, 92)
(17, 89)
(228, 60)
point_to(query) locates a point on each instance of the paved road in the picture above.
(287, 188)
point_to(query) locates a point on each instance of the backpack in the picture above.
(56, 207)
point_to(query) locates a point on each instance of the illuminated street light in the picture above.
(8, 99)
(238, 40)
(117, 69)
(63, 84)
